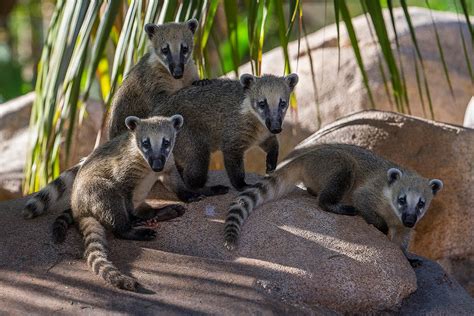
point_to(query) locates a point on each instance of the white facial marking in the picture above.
(247, 107)
(412, 199)
(387, 192)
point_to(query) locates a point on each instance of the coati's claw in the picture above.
(145, 234)
(270, 168)
(415, 263)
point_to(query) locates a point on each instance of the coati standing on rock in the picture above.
(112, 181)
(167, 68)
(346, 180)
(232, 116)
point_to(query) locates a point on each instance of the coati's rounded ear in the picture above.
(192, 25)
(393, 174)
(436, 185)
(177, 121)
(132, 122)
(246, 80)
(292, 80)
(150, 29)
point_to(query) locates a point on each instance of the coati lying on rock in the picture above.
(347, 180)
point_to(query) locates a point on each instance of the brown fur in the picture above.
(147, 85)
(223, 115)
(150, 82)
(112, 182)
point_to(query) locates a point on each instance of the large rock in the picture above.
(293, 259)
(342, 92)
(469, 115)
(15, 137)
(291, 253)
(14, 120)
(437, 294)
(299, 254)
(434, 150)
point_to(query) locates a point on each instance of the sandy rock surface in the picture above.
(292, 259)
(291, 253)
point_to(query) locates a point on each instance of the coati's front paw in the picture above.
(201, 83)
(348, 210)
(144, 234)
(190, 197)
(166, 213)
(246, 186)
(178, 209)
(415, 263)
(219, 189)
(271, 166)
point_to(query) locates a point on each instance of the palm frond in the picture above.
(418, 54)
(346, 17)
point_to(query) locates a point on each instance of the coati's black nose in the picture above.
(276, 130)
(156, 164)
(273, 127)
(409, 220)
(177, 70)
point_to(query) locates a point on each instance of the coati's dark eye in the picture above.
(420, 205)
(282, 104)
(165, 50)
(184, 49)
(402, 200)
(261, 104)
(146, 144)
(165, 143)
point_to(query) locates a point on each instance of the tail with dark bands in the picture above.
(268, 189)
(60, 226)
(55, 192)
(96, 255)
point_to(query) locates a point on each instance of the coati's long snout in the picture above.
(176, 69)
(274, 123)
(157, 162)
(155, 142)
(173, 44)
(409, 220)
(269, 98)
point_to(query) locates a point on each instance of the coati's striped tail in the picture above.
(268, 189)
(61, 224)
(55, 192)
(95, 243)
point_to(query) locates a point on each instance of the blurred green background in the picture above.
(24, 23)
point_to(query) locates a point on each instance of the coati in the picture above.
(112, 181)
(348, 180)
(167, 68)
(232, 116)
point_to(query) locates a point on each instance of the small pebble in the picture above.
(210, 210)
